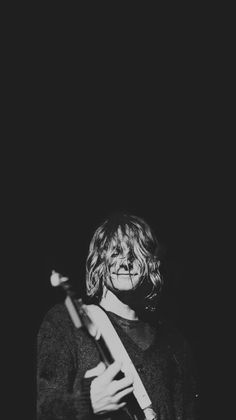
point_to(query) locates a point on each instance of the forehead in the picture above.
(121, 238)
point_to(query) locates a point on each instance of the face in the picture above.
(124, 269)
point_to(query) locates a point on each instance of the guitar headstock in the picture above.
(73, 307)
(57, 279)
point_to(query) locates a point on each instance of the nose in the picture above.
(126, 264)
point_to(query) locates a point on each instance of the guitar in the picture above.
(109, 346)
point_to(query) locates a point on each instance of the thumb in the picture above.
(96, 371)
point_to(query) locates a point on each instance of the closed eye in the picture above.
(114, 254)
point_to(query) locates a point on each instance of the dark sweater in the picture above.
(65, 353)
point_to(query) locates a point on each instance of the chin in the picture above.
(124, 283)
(117, 287)
(123, 289)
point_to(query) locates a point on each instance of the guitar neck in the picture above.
(104, 351)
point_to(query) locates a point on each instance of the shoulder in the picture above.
(57, 322)
(56, 315)
(57, 334)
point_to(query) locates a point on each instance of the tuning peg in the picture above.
(56, 279)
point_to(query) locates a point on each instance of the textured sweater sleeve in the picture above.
(191, 385)
(56, 354)
(186, 384)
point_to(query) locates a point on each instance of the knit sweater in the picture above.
(65, 353)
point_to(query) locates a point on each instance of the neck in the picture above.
(110, 302)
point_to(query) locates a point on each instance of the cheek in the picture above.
(108, 260)
(136, 265)
(112, 262)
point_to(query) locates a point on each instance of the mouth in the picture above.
(125, 274)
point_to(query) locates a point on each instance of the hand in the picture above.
(105, 391)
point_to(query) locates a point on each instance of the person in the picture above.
(122, 277)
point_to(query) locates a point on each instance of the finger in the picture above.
(122, 394)
(96, 371)
(117, 386)
(111, 372)
(129, 375)
(120, 405)
(112, 407)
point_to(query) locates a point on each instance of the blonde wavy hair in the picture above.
(143, 247)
